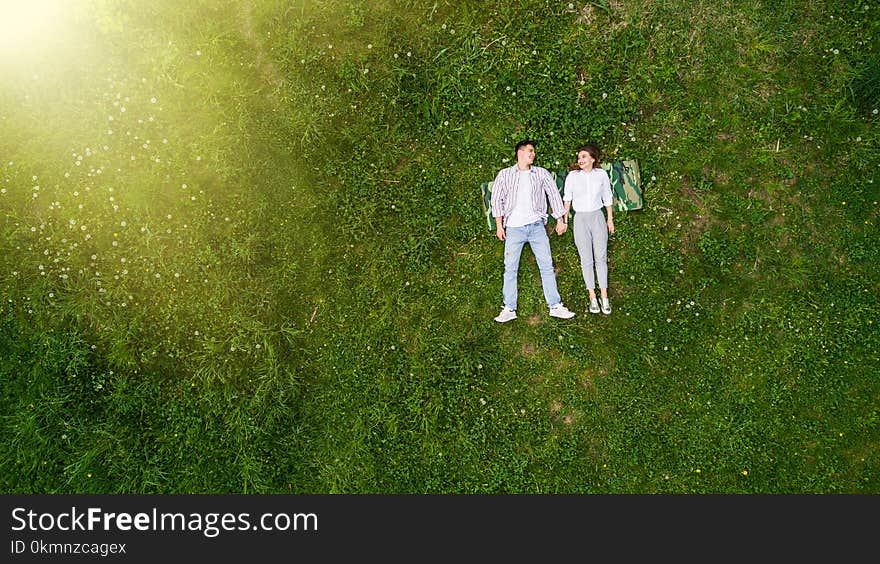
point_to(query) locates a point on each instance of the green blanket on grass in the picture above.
(626, 188)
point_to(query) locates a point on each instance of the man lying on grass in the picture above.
(519, 205)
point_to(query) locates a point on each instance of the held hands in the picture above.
(561, 227)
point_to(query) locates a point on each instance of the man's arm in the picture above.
(499, 228)
(498, 201)
(556, 205)
(560, 213)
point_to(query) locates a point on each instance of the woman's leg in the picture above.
(599, 232)
(584, 244)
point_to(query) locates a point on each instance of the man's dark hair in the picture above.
(522, 144)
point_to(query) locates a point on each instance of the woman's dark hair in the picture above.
(594, 152)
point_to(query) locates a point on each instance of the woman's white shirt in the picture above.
(587, 191)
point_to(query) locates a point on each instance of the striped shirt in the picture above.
(543, 188)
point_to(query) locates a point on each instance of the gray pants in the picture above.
(591, 239)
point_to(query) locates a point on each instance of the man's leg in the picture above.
(540, 244)
(515, 238)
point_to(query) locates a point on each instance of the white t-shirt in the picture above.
(587, 191)
(522, 213)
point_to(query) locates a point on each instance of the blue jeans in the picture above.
(535, 234)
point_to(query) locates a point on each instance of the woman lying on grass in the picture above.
(588, 189)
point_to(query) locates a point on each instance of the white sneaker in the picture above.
(561, 312)
(506, 315)
(606, 306)
(594, 305)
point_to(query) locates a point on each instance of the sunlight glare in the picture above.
(26, 24)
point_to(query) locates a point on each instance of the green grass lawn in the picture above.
(243, 249)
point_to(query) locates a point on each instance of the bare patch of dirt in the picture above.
(266, 67)
(588, 384)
